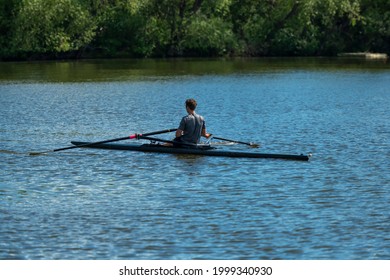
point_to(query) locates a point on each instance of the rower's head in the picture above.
(191, 104)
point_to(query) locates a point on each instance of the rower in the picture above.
(191, 127)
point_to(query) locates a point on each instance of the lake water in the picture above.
(98, 204)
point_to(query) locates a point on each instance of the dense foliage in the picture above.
(160, 28)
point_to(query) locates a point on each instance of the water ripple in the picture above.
(93, 204)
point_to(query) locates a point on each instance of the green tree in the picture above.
(335, 21)
(373, 33)
(7, 10)
(52, 27)
(292, 27)
(209, 31)
(208, 37)
(264, 26)
(159, 28)
(186, 27)
(118, 23)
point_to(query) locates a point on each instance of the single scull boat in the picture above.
(201, 150)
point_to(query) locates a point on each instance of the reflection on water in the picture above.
(146, 69)
(97, 204)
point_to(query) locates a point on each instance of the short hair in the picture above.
(191, 103)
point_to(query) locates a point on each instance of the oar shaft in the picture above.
(94, 143)
(133, 136)
(154, 133)
(234, 141)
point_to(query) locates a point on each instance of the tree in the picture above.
(118, 23)
(209, 31)
(160, 28)
(7, 10)
(186, 27)
(373, 32)
(52, 27)
(335, 21)
(208, 37)
(262, 24)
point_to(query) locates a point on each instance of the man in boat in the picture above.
(191, 127)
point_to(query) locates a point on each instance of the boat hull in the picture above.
(153, 148)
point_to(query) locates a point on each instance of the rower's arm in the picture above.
(205, 134)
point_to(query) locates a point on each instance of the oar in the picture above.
(253, 145)
(133, 136)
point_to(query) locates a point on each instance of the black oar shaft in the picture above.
(94, 143)
(235, 141)
(155, 133)
(133, 136)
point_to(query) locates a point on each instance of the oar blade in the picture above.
(38, 153)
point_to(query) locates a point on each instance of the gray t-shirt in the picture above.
(192, 126)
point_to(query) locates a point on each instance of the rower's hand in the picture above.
(208, 135)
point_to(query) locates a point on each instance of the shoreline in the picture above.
(366, 55)
(357, 55)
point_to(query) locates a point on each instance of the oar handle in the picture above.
(134, 136)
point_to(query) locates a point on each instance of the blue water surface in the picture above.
(98, 204)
